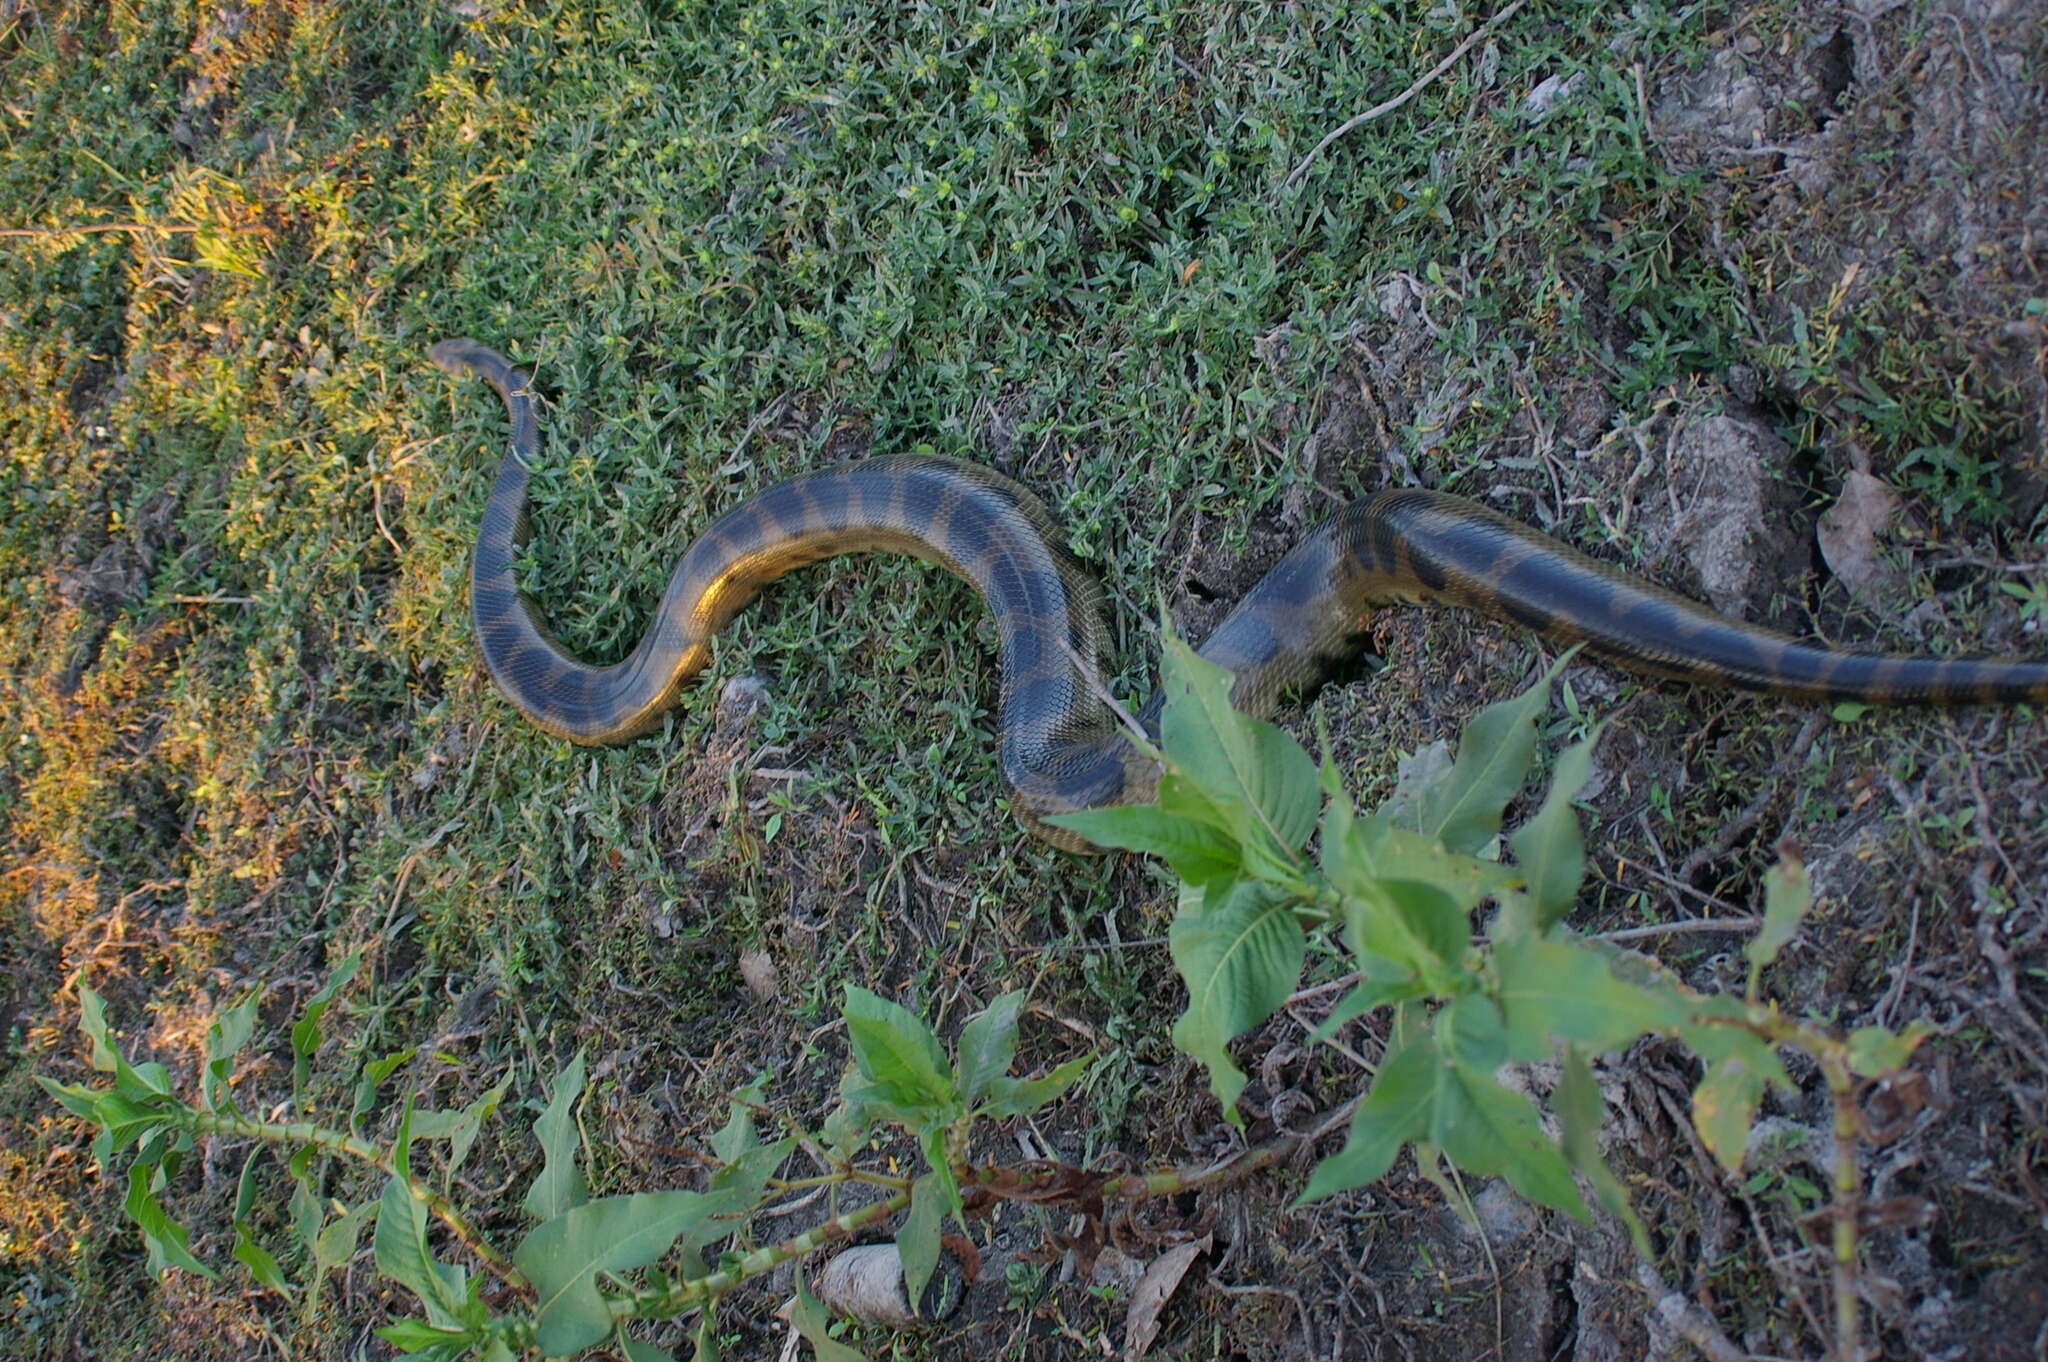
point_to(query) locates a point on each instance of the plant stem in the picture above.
(341, 1142)
(655, 1302)
(1847, 1209)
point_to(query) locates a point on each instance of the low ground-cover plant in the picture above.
(1408, 901)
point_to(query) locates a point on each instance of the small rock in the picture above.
(764, 981)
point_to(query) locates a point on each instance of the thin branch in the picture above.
(1382, 110)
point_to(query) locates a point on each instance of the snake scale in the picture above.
(1062, 748)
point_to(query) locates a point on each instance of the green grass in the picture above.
(735, 241)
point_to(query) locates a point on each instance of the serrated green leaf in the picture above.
(810, 1320)
(1580, 1114)
(560, 1184)
(1239, 961)
(1787, 896)
(1875, 1051)
(306, 1031)
(611, 1234)
(917, 1241)
(988, 1043)
(163, 1237)
(1395, 1111)
(1256, 774)
(1009, 1097)
(1560, 991)
(1463, 810)
(897, 1052)
(1549, 848)
(1196, 852)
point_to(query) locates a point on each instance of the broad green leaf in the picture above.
(247, 1251)
(611, 1234)
(163, 1237)
(1253, 771)
(1874, 1051)
(252, 1255)
(917, 1242)
(1787, 896)
(1471, 1031)
(1724, 1105)
(125, 1122)
(896, 1051)
(307, 1212)
(1009, 1097)
(1395, 1111)
(224, 1040)
(1580, 1114)
(945, 1188)
(1405, 900)
(374, 1074)
(1487, 1129)
(1239, 960)
(846, 1127)
(1463, 810)
(92, 1020)
(335, 1244)
(1560, 991)
(987, 1045)
(636, 1351)
(1549, 848)
(463, 1137)
(810, 1320)
(1196, 852)
(416, 1336)
(1717, 1029)
(306, 1032)
(1416, 775)
(560, 1184)
(76, 1098)
(1432, 916)
(138, 1082)
(1382, 984)
(403, 1254)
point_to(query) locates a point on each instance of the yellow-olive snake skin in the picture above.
(1062, 748)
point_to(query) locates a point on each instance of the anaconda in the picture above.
(1063, 748)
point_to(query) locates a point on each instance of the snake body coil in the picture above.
(1061, 747)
